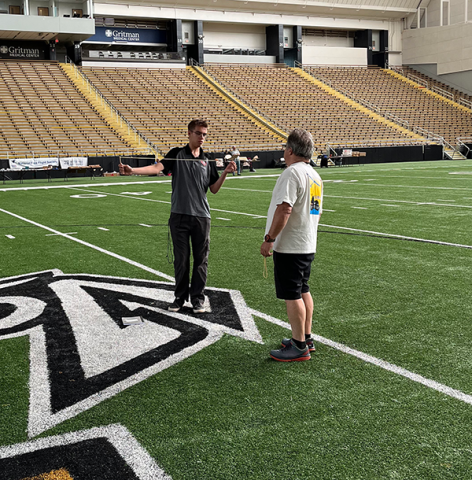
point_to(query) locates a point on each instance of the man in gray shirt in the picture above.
(192, 174)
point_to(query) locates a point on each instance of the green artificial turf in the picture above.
(229, 412)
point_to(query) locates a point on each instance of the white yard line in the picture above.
(398, 201)
(54, 234)
(165, 180)
(451, 392)
(95, 247)
(424, 240)
(406, 186)
(54, 187)
(246, 190)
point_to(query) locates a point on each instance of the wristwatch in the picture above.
(268, 239)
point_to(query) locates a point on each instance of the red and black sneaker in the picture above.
(309, 344)
(290, 353)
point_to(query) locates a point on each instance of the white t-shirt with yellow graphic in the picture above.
(302, 188)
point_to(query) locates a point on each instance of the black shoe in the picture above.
(253, 171)
(309, 344)
(176, 305)
(290, 353)
(199, 307)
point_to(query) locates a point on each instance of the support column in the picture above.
(297, 42)
(363, 39)
(275, 42)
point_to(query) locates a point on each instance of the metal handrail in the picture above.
(464, 102)
(119, 116)
(461, 143)
(442, 92)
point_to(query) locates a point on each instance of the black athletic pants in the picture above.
(186, 229)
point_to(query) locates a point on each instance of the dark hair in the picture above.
(199, 122)
(301, 143)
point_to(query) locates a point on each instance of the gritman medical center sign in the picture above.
(30, 51)
(128, 35)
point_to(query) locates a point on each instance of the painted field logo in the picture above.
(82, 354)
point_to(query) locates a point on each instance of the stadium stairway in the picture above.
(452, 154)
(247, 111)
(356, 105)
(113, 118)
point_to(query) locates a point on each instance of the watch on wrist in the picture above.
(268, 239)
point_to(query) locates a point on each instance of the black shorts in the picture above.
(291, 273)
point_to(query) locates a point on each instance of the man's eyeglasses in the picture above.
(200, 134)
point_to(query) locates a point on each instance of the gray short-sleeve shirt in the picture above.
(190, 181)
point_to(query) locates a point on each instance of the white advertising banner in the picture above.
(67, 162)
(33, 163)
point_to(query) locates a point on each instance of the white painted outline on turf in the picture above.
(451, 392)
(41, 418)
(119, 436)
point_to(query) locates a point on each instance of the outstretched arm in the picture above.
(153, 169)
(230, 168)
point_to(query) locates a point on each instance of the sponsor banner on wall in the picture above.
(128, 35)
(22, 50)
(33, 163)
(67, 162)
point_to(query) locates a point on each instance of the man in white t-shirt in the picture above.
(291, 230)
(235, 158)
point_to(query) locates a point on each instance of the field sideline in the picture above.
(387, 395)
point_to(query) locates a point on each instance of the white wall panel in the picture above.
(434, 13)
(212, 58)
(311, 41)
(457, 11)
(132, 65)
(228, 35)
(395, 59)
(448, 47)
(318, 55)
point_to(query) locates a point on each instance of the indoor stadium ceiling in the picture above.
(367, 9)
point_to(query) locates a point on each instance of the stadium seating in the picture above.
(42, 113)
(402, 99)
(290, 101)
(161, 102)
(435, 83)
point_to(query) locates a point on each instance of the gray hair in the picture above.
(301, 143)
